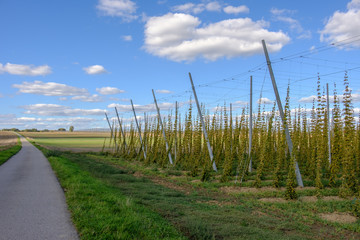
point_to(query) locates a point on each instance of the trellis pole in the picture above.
(121, 129)
(250, 125)
(176, 132)
(287, 133)
(162, 127)
(329, 124)
(137, 125)
(111, 130)
(203, 126)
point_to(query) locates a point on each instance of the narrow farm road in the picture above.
(32, 203)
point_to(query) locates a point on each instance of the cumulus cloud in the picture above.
(59, 110)
(49, 89)
(264, 101)
(94, 69)
(48, 123)
(197, 8)
(142, 108)
(163, 91)
(343, 25)
(355, 98)
(109, 90)
(88, 98)
(242, 103)
(285, 15)
(236, 10)
(124, 9)
(25, 70)
(178, 37)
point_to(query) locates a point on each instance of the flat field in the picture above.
(7, 139)
(9, 145)
(76, 141)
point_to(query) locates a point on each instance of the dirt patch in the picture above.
(259, 213)
(338, 217)
(171, 185)
(232, 190)
(196, 181)
(308, 199)
(272, 200)
(305, 188)
(216, 203)
(332, 198)
(138, 174)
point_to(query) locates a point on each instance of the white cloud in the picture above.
(308, 99)
(94, 69)
(189, 8)
(125, 9)
(59, 110)
(241, 103)
(127, 38)
(142, 108)
(88, 98)
(355, 98)
(178, 37)
(49, 89)
(197, 8)
(213, 6)
(47, 123)
(264, 101)
(236, 10)
(109, 90)
(343, 25)
(284, 15)
(163, 91)
(26, 70)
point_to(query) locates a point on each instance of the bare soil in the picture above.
(273, 200)
(232, 190)
(338, 217)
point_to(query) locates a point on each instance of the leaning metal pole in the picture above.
(121, 129)
(162, 127)
(203, 126)
(137, 125)
(288, 138)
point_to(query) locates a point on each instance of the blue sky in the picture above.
(65, 63)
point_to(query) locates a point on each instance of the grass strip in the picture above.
(8, 153)
(100, 211)
(194, 214)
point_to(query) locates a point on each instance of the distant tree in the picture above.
(62, 130)
(71, 128)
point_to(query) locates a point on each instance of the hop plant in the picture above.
(290, 193)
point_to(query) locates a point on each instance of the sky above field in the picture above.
(66, 62)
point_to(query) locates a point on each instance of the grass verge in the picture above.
(9, 152)
(101, 211)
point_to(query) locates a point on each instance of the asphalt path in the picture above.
(32, 202)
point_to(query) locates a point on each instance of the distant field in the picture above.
(7, 139)
(9, 145)
(71, 140)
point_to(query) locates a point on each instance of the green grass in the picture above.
(108, 202)
(9, 152)
(101, 211)
(73, 142)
